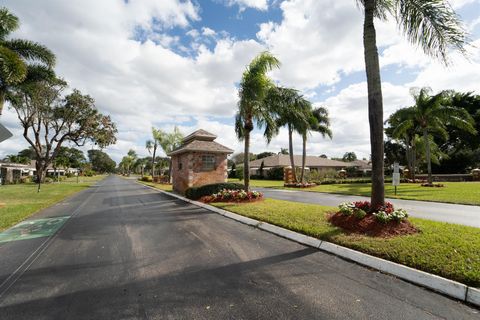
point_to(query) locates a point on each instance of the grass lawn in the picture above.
(164, 187)
(453, 192)
(448, 250)
(22, 200)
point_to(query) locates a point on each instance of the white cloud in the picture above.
(243, 4)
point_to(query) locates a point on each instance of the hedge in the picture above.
(196, 193)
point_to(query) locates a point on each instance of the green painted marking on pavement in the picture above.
(31, 229)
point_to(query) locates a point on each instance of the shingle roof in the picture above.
(200, 134)
(282, 160)
(201, 141)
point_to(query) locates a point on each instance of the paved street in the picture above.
(128, 252)
(445, 212)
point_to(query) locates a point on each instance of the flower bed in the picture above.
(226, 195)
(299, 185)
(360, 217)
(433, 185)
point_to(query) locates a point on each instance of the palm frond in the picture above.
(32, 51)
(12, 69)
(431, 24)
(8, 23)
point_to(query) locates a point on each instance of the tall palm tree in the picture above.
(251, 107)
(169, 142)
(152, 145)
(429, 116)
(431, 24)
(318, 122)
(289, 109)
(20, 59)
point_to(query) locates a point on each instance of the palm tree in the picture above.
(251, 107)
(152, 145)
(318, 122)
(20, 60)
(169, 142)
(429, 116)
(431, 24)
(289, 109)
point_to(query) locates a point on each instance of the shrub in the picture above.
(196, 193)
(48, 180)
(88, 173)
(147, 178)
(359, 213)
(275, 174)
(346, 208)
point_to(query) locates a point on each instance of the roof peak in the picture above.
(200, 134)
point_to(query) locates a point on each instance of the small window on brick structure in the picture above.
(208, 162)
(180, 166)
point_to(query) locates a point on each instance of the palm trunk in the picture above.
(246, 161)
(290, 151)
(170, 179)
(153, 161)
(427, 155)
(375, 105)
(304, 158)
(2, 101)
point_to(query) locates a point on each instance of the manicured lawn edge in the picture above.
(158, 186)
(436, 283)
(27, 213)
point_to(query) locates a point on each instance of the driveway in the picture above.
(444, 212)
(128, 252)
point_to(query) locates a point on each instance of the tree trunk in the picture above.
(153, 161)
(304, 158)
(246, 160)
(2, 101)
(40, 174)
(428, 156)
(170, 170)
(375, 105)
(290, 151)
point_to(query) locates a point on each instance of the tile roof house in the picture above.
(199, 161)
(283, 161)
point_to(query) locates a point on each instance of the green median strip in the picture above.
(448, 250)
(31, 229)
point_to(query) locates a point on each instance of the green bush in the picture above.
(275, 174)
(88, 173)
(196, 193)
(147, 178)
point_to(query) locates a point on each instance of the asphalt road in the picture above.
(129, 252)
(444, 212)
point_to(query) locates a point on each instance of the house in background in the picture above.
(313, 163)
(14, 172)
(199, 161)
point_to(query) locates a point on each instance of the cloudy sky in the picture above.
(163, 63)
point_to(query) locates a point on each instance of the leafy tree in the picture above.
(431, 24)
(152, 146)
(324, 156)
(251, 107)
(319, 122)
(27, 153)
(283, 151)
(17, 159)
(70, 158)
(430, 116)
(349, 157)
(101, 161)
(50, 119)
(239, 157)
(20, 60)
(264, 155)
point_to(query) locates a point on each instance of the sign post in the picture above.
(396, 176)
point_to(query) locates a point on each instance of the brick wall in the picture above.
(192, 175)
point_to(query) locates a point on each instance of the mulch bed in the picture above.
(371, 227)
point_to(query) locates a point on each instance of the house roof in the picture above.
(201, 141)
(283, 160)
(362, 164)
(200, 134)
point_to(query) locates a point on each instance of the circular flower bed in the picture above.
(433, 185)
(384, 221)
(233, 196)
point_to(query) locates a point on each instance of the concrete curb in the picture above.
(445, 286)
